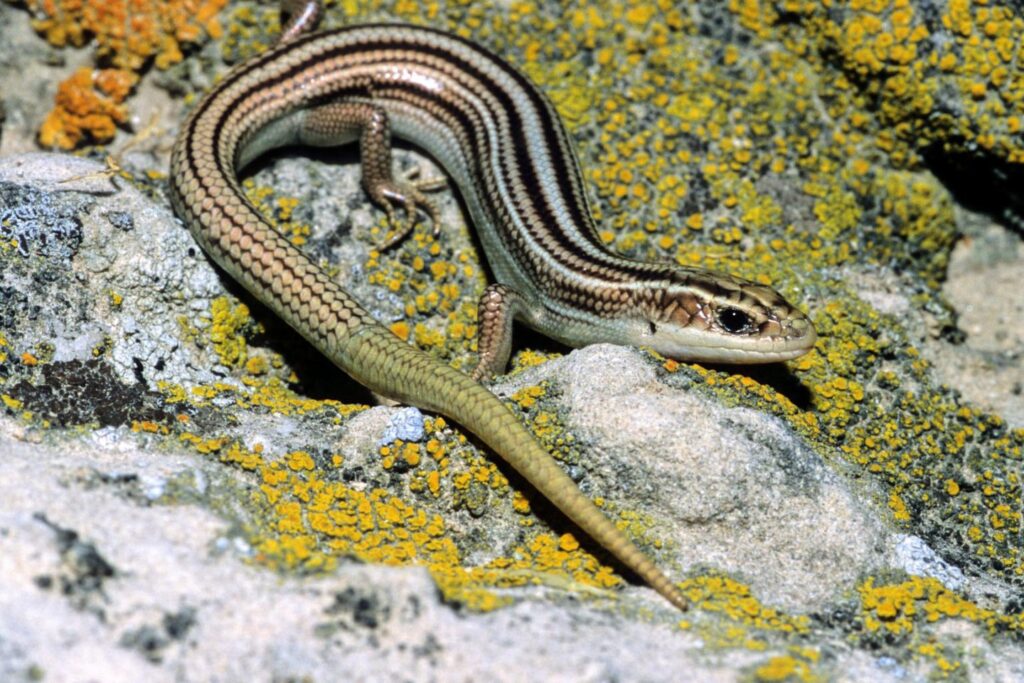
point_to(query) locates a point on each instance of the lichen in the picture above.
(798, 665)
(129, 34)
(312, 518)
(797, 162)
(696, 186)
(88, 107)
(39, 224)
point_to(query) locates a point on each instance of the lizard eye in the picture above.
(733, 320)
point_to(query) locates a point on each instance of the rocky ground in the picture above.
(191, 493)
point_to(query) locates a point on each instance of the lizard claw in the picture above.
(409, 194)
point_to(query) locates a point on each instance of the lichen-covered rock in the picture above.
(101, 581)
(988, 366)
(202, 444)
(133, 538)
(96, 274)
(856, 514)
(732, 489)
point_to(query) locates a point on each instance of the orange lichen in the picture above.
(128, 33)
(87, 108)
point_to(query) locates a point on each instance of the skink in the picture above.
(502, 143)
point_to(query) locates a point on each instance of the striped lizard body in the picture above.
(502, 143)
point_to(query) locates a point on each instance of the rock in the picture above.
(191, 493)
(735, 490)
(132, 545)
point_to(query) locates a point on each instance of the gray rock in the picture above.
(983, 285)
(406, 424)
(62, 206)
(174, 609)
(734, 490)
(914, 555)
(164, 583)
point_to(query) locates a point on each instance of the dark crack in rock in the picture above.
(151, 640)
(83, 570)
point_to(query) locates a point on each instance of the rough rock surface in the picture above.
(984, 287)
(128, 548)
(747, 497)
(101, 583)
(191, 493)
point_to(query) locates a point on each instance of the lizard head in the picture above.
(718, 318)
